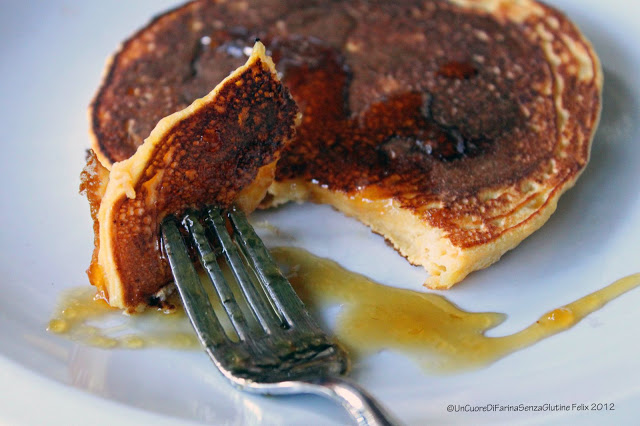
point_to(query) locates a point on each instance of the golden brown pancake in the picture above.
(220, 150)
(449, 127)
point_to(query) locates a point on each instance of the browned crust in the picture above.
(112, 153)
(222, 147)
(473, 115)
(93, 184)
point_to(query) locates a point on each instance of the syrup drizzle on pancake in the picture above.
(393, 138)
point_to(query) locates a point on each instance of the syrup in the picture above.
(426, 327)
(391, 136)
(457, 70)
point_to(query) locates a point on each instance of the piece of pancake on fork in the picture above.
(449, 127)
(222, 149)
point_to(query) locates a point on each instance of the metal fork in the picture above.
(278, 348)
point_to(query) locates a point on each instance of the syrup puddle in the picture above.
(82, 317)
(427, 327)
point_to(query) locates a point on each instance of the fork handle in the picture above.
(364, 410)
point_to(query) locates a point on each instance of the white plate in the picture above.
(51, 58)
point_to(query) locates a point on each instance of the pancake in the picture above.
(220, 150)
(449, 127)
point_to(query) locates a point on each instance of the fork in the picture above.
(274, 346)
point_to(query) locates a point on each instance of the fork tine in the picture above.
(194, 297)
(277, 286)
(301, 360)
(210, 264)
(264, 312)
